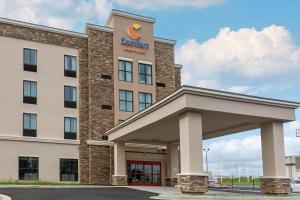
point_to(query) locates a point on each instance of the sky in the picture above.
(244, 46)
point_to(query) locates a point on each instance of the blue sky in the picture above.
(204, 24)
(246, 46)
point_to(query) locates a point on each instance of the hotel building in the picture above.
(107, 107)
(61, 90)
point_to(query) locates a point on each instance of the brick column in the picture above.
(119, 177)
(274, 180)
(191, 178)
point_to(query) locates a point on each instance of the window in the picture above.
(30, 60)
(145, 74)
(145, 100)
(70, 128)
(70, 97)
(29, 124)
(28, 168)
(126, 100)
(125, 70)
(68, 170)
(70, 66)
(29, 92)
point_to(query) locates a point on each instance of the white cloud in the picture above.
(67, 13)
(247, 51)
(102, 8)
(208, 83)
(21, 10)
(246, 60)
(291, 127)
(158, 4)
(294, 125)
(240, 89)
(61, 14)
(60, 23)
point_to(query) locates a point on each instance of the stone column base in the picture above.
(193, 183)
(275, 185)
(171, 182)
(119, 180)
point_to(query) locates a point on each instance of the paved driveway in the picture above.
(76, 193)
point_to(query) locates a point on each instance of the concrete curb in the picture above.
(4, 197)
(56, 186)
(220, 197)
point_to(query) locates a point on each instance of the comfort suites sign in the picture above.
(133, 43)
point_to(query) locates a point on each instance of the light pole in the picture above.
(206, 151)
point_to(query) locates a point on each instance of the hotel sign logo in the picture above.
(131, 30)
(132, 43)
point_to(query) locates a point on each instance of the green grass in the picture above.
(40, 182)
(243, 181)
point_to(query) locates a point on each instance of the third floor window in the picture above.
(30, 60)
(125, 70)
(70, 66)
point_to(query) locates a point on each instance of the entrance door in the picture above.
(144, 173)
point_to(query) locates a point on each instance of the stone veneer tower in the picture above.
(104, 50)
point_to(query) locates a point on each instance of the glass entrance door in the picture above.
(144, 173)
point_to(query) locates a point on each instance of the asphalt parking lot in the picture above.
(75, 193)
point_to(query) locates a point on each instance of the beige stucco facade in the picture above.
(48, 152)
(49, 145)
(50, 88)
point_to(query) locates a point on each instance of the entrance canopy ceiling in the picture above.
(223, 113)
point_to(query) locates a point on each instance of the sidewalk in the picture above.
(170, 193)
(56, 186)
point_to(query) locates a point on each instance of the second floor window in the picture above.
(145, 100)
(29, 92)
(126, 100)
(145, 74)
(125, 70)
(70, 128)
(30, 60)
(70, 97)
(29, 124)
(70, 66)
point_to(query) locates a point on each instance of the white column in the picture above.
(119, 159)
(173, 160)
(191, 150)
(273, 155)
